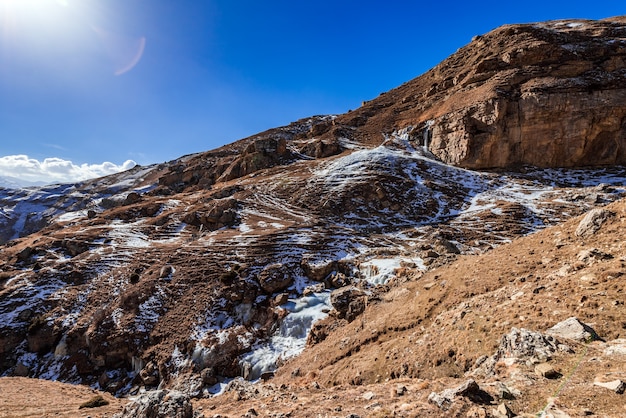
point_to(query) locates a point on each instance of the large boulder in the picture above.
(275, 278)
(573, 329)
(592, 222)
(157, 404)
(349, 302)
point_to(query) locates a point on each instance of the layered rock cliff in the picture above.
(548, 94)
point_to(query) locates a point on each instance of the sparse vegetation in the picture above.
(95, 402)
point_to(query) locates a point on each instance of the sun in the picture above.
(46, 29)
(33, 15)
(26, 8)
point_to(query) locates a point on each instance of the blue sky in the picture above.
(83, 82)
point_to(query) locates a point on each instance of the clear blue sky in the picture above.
(90, 81)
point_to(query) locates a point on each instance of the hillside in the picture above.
(376, 239)
(426, 334)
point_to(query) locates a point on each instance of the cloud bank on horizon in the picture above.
(55, 170)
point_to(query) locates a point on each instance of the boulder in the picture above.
(159, 403)
(317, 270)
(592, 222)
(150, 374)
(546, 370)
(573, 329)
(275, 278)
(617, 386)
(469, 389)
(349, 302)
(132, 198)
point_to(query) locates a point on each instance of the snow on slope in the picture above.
(367, 215)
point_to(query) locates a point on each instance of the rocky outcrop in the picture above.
(548, 94)
(160, 403)
(262, 153)
(520, 346)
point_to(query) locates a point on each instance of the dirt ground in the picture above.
(23, 397)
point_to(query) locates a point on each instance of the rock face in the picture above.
(549, 94)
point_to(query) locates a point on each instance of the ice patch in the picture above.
(244, 228)
(290, 338)
(381, 270)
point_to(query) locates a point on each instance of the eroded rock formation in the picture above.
(549, 94)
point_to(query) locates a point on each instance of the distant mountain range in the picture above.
(9, 182)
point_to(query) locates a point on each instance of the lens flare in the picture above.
(125, 52)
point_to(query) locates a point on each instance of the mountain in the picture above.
(370, 238)
(8, 182)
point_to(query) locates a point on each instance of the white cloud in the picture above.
(56, 170)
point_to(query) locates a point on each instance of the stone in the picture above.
(592, 222)
(469, 389)
(131, 198)
(400, 390)
(573, 329)
(507, 393)
(617, 386)
(368, 396)
(546, 370)
(317, 270)
(348, 301)
(21, 370)
(159, 403)
(503, 411)
(208, 376)
(166, 271)
(616, 347)
(274, 278)
(281, 299)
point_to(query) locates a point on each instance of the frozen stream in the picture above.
(290, 338)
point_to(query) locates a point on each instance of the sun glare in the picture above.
(40, 16)
(43, 28)
(32, 7)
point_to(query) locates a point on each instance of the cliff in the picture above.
(549, 94)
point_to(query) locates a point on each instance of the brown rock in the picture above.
(546, 370)
(348, 301)
(275, 278)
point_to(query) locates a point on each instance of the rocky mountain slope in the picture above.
(189, 274)
(489, 318)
